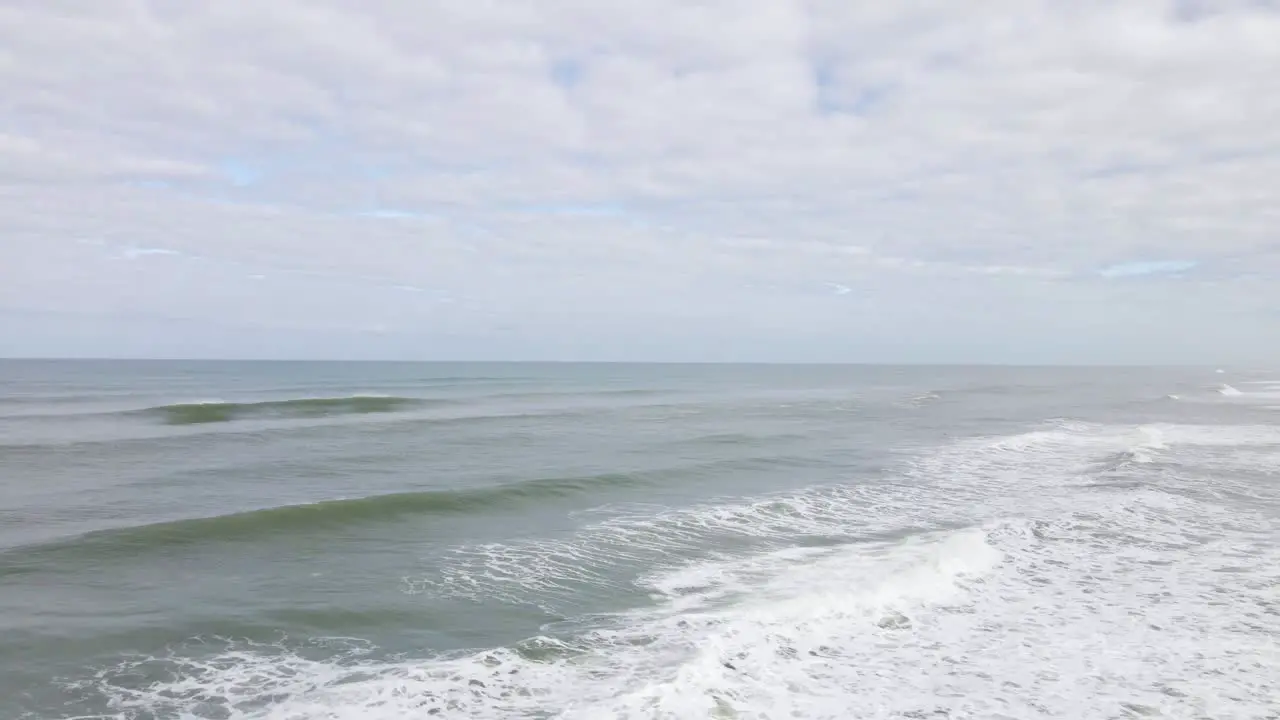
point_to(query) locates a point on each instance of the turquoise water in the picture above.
(368, 540)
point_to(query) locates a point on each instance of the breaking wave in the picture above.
(216, 411)
(1047, 598)
(323, 516)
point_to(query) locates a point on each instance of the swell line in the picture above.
(310, 517)
(213, 412)
(219, 411)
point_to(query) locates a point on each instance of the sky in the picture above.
(1009, 181)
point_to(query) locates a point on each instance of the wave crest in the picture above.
(197, 413)
(325, 515)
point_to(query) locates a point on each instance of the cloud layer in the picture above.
(763, 179)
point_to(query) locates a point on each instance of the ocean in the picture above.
(341, 541)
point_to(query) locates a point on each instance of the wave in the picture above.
(467, 417)
(616, 665)
(198, 412)
(920, 399)
(215, 411)
(1039, 576)
(577, 393)
(824, 634)
(1144, 450)
(324, 515)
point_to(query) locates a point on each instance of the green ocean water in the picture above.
(377, 540)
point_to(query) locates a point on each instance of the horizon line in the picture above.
(475, 361)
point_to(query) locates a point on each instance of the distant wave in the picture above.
(218, 411)
(575, 392)
(923, 399)
(1228, 390)
(311, 517)
(195, 413)
(466, 417)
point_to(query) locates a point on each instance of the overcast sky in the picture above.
(829, 180)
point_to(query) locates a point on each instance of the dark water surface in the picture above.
(296, 541)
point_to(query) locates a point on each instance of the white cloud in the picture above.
(659, 178)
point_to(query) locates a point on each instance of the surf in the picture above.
(324, 516)
(196, 413)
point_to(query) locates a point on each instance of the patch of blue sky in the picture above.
(1146, 268)
(567, 73)
(240, 173)
(831, 98)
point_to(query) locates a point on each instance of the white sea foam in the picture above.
(1017, 620)
(1229, 391)
(921, 400)
(1075, 592)
(968, 481)
(552, 573)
